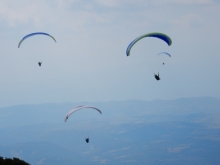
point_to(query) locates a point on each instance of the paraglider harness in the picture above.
(39, 63)
(157, 77)
(87, 140)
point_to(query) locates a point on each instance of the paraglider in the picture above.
(78, 108)
(87, 140)
(33, 34)
(161, 36)
(157, 77)
(39, 63)
(165, 53)
(158, 35)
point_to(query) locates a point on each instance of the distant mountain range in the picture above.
(181, 131)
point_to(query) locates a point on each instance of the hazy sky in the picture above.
(89, 62)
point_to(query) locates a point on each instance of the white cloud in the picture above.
(65, 3)
(185, 2)
(23, 13)
(177, 149)
(107, 3)
(62, 14)
(121, 149)
(141, 3)
(188, 21)
(97, 159)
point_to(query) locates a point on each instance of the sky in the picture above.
(89, 63)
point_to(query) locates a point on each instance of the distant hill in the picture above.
(14, 161)
(31, 114)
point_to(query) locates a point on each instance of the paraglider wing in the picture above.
(32, 34)
(78, 108)
(164, 53)
(161, 36)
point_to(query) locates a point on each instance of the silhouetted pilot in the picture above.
(39, 63)
(157, 77)
(87, 140)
